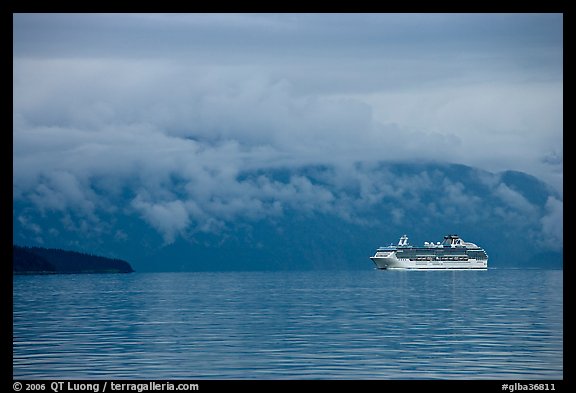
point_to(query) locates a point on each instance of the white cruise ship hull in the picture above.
(392, 262)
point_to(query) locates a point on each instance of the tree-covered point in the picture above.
(38, 260)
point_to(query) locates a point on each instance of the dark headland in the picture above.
(38, 260)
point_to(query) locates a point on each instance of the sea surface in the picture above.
(495, 324)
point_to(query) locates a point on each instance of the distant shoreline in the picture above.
(48, 261)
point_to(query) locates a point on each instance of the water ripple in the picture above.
(355, 325)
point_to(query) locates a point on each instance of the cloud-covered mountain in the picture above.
(320, 216)
(233, 141)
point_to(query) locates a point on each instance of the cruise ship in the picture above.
(453, 254)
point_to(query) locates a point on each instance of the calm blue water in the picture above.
(495, 324)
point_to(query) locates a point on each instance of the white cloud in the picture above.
(170, 218)
(514, 199)
(553, 224)
(496, 127)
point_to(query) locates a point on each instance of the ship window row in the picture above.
(478, 254)
(434, 253)
(413, 254)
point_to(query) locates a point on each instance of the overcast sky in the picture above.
(143, 98)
